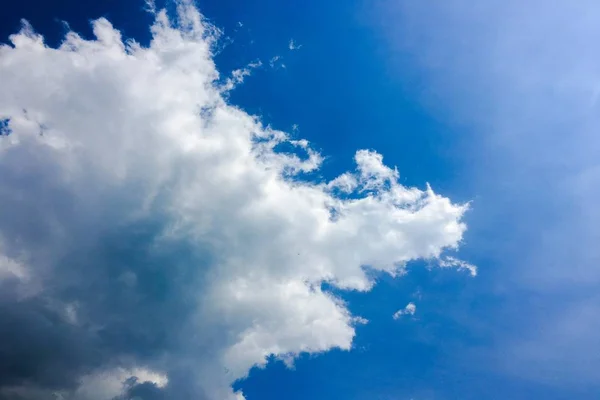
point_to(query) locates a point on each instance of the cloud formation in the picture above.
(154, 243)
(292, 45)
(410, 309)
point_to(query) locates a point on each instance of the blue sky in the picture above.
(493, 104)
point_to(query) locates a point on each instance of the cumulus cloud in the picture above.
(410, 309)
(154, 242)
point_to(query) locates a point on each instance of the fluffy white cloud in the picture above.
(163, 223)
(410, 309)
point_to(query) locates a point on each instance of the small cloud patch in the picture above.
(292, 45)
(410, 309)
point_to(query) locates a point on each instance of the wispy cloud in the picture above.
(292, 45)
(238, 76)
(275, 62)
(410, 309)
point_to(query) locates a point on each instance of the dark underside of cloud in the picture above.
(127, 314)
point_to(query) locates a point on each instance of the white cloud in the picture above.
(275, 62)
(139, 137)
(410, 309)
(452, 262)
(238, 76)
(360, 320)
(292, 45)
